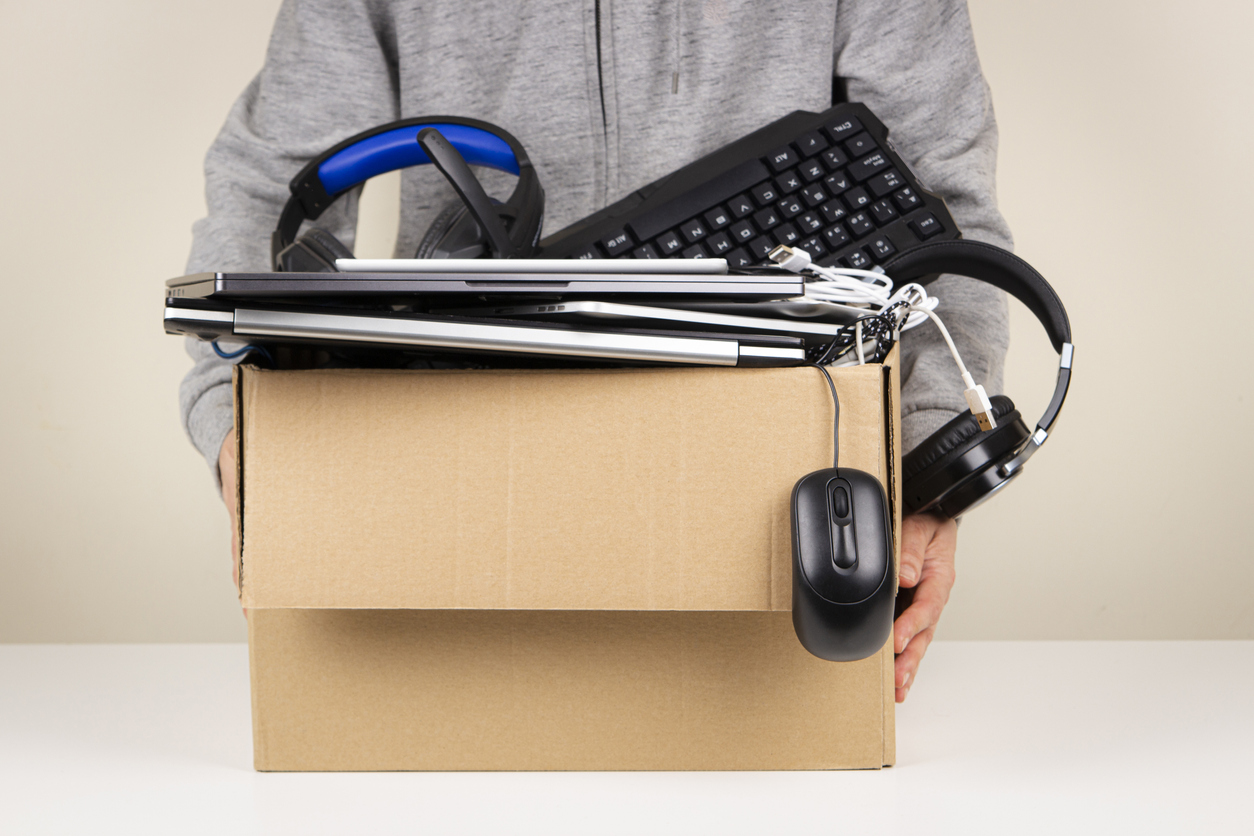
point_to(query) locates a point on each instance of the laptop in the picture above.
(810, 331)
(277, 323)
(555, 284)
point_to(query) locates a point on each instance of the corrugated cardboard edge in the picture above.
(892, 426)
(237, 379)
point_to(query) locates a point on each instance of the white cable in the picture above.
(977, 398)
(874, 290)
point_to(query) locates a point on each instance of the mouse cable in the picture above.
(835, 418)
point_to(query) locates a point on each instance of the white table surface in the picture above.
(997, 737)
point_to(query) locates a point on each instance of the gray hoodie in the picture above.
(606, 96)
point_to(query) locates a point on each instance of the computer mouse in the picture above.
(842, 568)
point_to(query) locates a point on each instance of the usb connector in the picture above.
(977, 400)
(794, 261)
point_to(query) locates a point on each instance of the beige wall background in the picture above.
(1125, 173)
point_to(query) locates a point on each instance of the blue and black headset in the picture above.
(476, 227)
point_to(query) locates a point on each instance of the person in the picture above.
(607, 96)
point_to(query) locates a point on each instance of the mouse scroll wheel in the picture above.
(840, 502)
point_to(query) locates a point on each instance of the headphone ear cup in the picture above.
(453, 234)
(313, 252)
(957, 451)
(439, 228)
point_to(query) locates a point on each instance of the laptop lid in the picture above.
(327, 325)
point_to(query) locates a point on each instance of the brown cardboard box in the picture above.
(546, 570)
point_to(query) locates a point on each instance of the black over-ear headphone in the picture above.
(478, 226)
(960, 466)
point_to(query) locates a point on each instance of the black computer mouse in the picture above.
(842, 566)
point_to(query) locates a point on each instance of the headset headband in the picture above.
(995, 266)
(394, 146)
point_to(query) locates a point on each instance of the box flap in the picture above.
(640, 489)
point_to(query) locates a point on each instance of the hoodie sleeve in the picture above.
(913, 62)
(330, 72)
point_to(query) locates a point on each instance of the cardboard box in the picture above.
(547, 569)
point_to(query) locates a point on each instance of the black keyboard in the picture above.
(829, 183)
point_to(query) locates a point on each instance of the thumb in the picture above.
(916, 533)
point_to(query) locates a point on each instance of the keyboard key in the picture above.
(857, 198)
(739, 257)
(765, 193)
(692, 231)
(883, 211)
(813, 195)
(837, 183)
(907, 200)
(812, 170)
(833, 211)
(617, 243)
(790, 207)
(766, 218)
(836, 237)
(834, 158)
(743, 232)
(860, 224)
(589, 251)
(810, 222)
(740, 205)
(719, 243)
(761, 247)
(841, 130)
(695, 251)
(868, 166)
(781, 159)
(858, 260)
(814, 247)
(926, 225)
(860, 145)
(811, 143)
(787, 234)
(881, 248)
(668, 243)
(882, 184)
(788, 183)
(718, 218)
(646, 251)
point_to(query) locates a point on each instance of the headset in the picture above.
(962, 465)
(475, 227)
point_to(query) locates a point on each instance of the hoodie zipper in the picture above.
(605, 122)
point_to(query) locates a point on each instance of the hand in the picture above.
(226, 469)
(927, 560)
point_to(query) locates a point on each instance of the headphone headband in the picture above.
(394, 146)
(993, 265)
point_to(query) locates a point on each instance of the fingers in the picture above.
(918, 531)
(927, 564)
(907, 664)
(930, 597)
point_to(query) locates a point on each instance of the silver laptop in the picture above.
(277, 323)
(528, 285)
(686, 318)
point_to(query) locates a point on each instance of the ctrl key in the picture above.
(926, 225)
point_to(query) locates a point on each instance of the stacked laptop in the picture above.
(664, 311)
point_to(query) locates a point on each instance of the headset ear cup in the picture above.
(313, 252)
(439, 228)
(958, 451)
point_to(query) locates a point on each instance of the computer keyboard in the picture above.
(829, 183)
